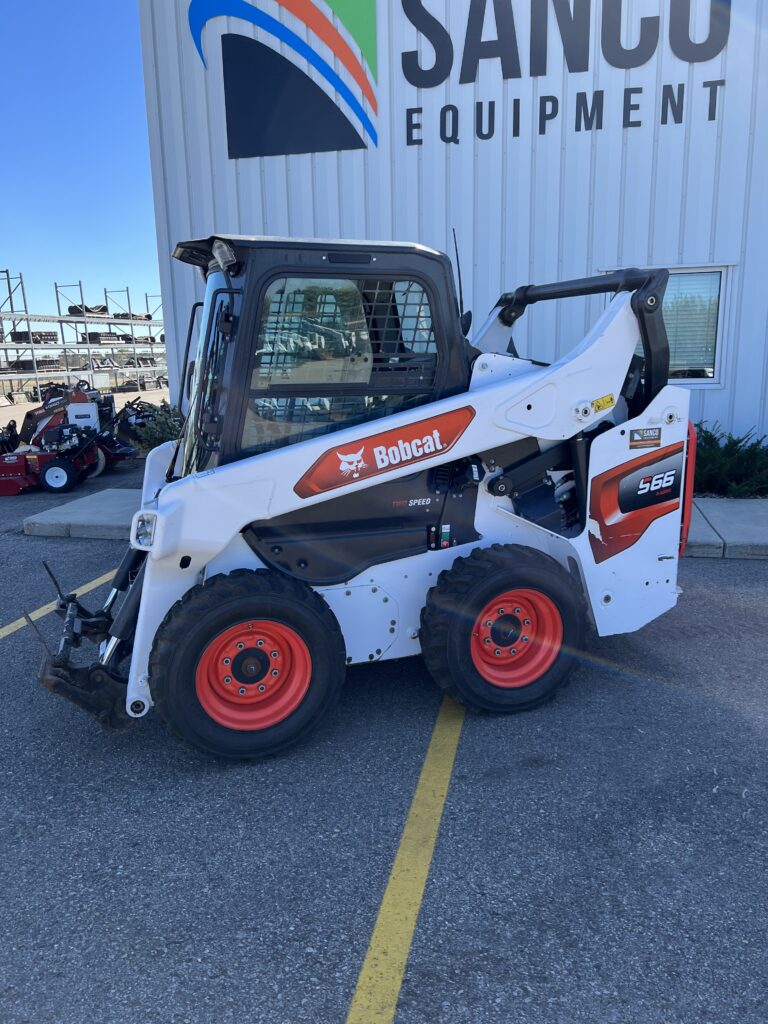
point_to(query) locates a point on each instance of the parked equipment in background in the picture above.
(357, 482)
(72, 435)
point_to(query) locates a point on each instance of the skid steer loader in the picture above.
(356, 482)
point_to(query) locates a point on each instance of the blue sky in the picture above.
(75, 187)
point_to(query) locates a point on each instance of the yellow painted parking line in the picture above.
(48, 608)
(381, 977)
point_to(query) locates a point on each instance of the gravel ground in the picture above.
(601, 859)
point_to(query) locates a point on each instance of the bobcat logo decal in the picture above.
(352, 464)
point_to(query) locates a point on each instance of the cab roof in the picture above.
(199, 252)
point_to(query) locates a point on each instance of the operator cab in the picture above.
(301, 338)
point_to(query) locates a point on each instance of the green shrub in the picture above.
(161, 423)
(736, 467)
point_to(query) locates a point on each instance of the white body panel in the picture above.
(200, 518)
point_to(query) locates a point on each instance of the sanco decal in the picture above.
(402, 446)
(273, 107)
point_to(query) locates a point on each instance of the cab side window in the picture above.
(334, 352)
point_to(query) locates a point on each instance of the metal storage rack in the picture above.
(76, 347)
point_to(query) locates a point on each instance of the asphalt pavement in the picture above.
(602, 859)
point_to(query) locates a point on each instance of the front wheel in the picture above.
(501, 629)
(246, 665)
(59, 476)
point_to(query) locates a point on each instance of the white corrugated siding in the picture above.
(532, 208)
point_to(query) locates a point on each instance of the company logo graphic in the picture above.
(392, 448)
(352, 464)
(273, 107)
(645, 437)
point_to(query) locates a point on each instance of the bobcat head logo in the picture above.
(352, 464)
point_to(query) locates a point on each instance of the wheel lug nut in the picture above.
(262, 688)
(497, 652)
(242, 691)
(259, 643)
(275, 672)
(513, 650)
(489, 623)
(227, 661)
(525, 639)
(517, 611)
(240, 646)
(227, 679)
(526, 622)
(487, 640)
(501, 611)
(274, 654)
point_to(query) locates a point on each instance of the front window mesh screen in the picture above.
(334, 352)
(335, 331)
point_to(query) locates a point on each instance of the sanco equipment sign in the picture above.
(273, 107)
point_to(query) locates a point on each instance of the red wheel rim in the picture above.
(253, 675)
(516, 638)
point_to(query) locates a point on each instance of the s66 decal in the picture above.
(624, 501)
(653, 484)
(372, 456)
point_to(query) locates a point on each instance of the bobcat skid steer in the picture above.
(356, 482)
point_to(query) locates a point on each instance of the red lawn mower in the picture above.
(70, 437)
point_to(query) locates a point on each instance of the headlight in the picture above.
(144, 529)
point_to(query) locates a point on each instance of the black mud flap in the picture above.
(93, 688)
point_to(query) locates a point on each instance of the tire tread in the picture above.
(451, 587)
(175, 629)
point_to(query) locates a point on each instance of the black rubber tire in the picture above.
(72, 476)
(201, 615)
(461, 594)
(96, 468)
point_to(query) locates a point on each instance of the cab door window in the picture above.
(333, 352)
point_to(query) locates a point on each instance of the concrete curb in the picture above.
(740, 523)
(105, 515)
(703, 540)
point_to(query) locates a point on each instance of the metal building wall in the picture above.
(535, 207)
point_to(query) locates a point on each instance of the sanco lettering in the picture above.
(572, 18)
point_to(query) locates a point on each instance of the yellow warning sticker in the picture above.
(601, 404)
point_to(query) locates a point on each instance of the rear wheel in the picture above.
(247, 664)
(501, 628)
(58, 476)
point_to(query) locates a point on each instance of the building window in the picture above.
(692, 306)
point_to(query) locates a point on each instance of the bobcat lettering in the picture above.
(406, 451)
